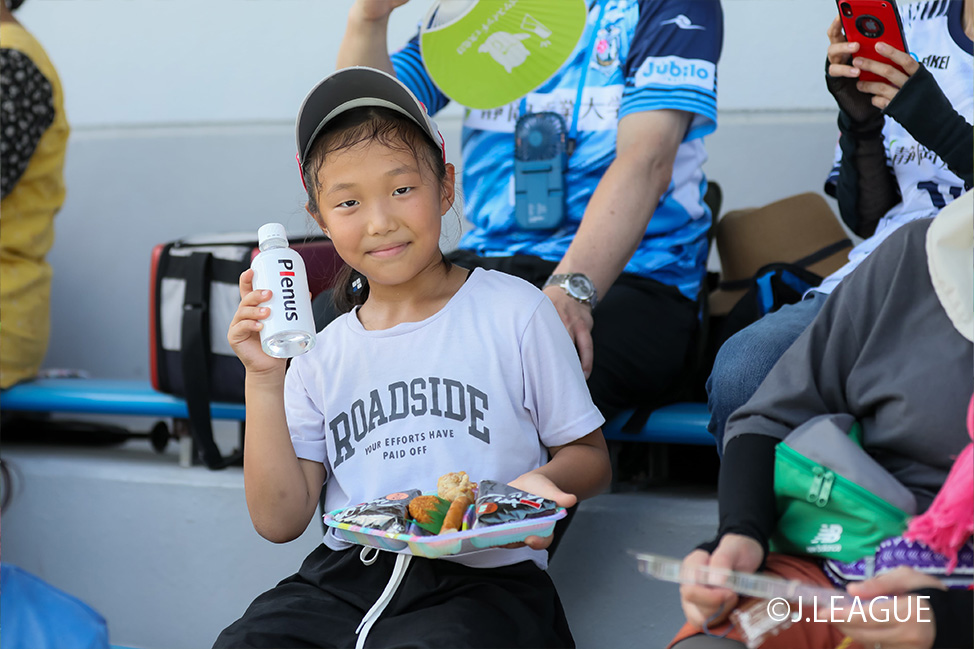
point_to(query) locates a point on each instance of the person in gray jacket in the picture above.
(892, 347)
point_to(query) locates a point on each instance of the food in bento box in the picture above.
(445, 512)
(453, 485)
(428, 512)
(453, 521)
(455, 527)
(387, 514)
(472, 506)
(499, 503)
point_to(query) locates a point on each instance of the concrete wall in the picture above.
(182, 114)
(126, 62)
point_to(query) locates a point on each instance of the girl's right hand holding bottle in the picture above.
(244, 332)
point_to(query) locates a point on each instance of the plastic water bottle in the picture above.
(289, 330)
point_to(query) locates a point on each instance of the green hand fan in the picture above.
(488, 53)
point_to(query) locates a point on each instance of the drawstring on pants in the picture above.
(398, 572)
(368, 555)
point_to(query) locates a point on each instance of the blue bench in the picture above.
(105, 397)
(111, 397)
(678, 423)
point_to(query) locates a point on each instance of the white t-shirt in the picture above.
(485, 386)
(934, 33)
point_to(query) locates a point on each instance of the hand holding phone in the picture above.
(870, 23)
(874, 61)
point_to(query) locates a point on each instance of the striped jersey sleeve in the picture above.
(408, 64)
(672, 62)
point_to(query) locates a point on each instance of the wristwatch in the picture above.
(577, 285)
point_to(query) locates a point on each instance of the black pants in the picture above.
(438, 604)
(642, 333)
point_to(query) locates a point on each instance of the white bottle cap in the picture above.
(271, 235)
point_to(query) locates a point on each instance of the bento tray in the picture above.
(440, 545)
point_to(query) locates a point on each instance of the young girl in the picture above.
(434, 369)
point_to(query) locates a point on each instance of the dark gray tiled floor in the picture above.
(608, 602)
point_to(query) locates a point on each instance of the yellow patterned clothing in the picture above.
(33, 174)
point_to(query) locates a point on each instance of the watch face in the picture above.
(580, 287)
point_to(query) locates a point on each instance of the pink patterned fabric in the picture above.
(950, 520)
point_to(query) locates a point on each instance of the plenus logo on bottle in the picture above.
(287, 290)
(289, 329)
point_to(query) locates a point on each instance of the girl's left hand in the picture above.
(883, 93)
(540, 485)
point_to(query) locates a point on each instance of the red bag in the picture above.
(194, 294)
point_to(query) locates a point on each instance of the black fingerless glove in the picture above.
(861, 116)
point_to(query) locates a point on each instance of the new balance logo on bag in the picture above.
(827, 539)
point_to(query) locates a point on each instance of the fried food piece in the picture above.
(426, 509)
(453, 485)
(454, 516)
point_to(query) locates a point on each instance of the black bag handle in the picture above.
(194, 358)
(803, 263)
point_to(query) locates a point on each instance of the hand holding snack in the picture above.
(540, 485)
(536, 483)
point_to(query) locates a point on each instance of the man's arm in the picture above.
(366, 33)
(365, 43)
(615, 220)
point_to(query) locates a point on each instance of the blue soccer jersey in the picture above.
(646, 55)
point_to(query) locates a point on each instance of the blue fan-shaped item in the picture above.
(539, 136)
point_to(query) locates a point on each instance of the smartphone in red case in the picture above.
(869, 22)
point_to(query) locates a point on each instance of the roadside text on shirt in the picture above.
(439, 397)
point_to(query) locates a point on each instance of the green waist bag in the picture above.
(834, 501)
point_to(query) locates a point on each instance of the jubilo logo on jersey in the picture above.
(676, 71)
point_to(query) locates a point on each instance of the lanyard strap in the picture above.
(573, 131)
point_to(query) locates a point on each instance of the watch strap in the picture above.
(557, 280)
(562, 280)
